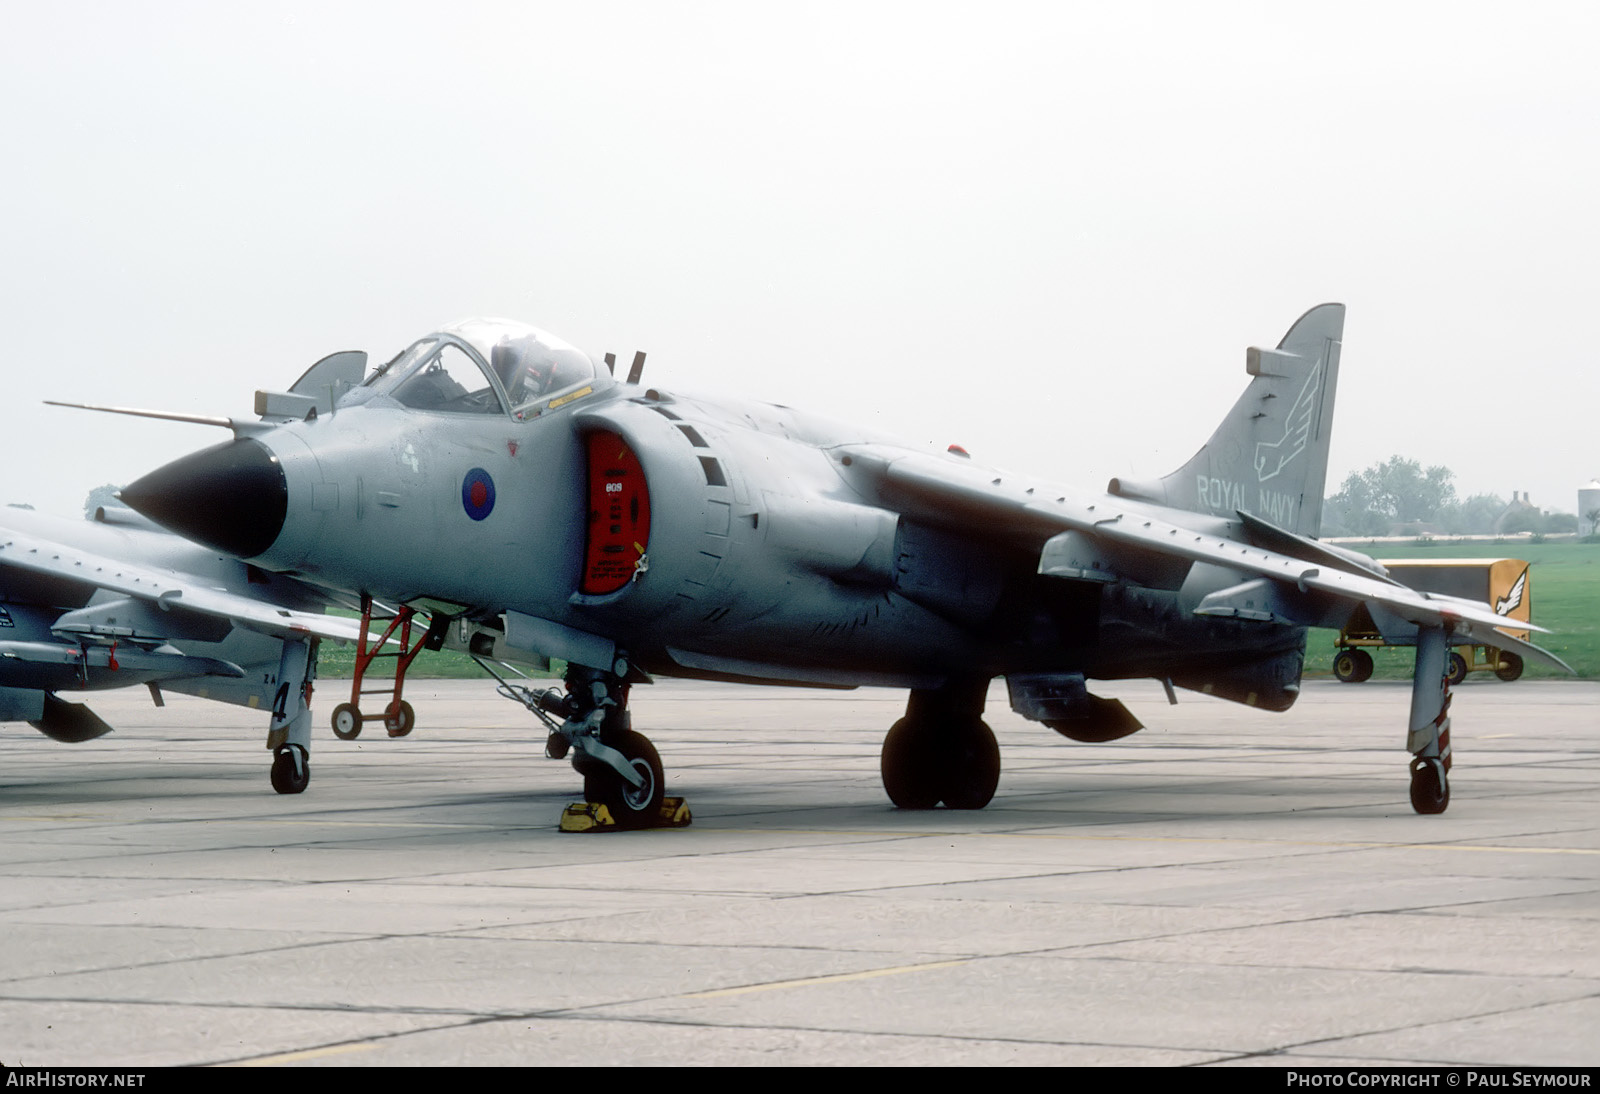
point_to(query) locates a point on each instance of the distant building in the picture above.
(1520, 516)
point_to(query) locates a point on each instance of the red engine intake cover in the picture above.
(619, 515)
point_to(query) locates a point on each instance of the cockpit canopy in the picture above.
(487, 366)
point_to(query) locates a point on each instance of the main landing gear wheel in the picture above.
(925, 763)
(1509, 668)
(1351, 666)
(291, 769)
(399, 719)
(630, 806)
(346, 722)
(972, 768)
(1456, 671)
(1430, 787)
(910, 766)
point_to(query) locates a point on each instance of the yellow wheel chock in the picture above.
(593, 817)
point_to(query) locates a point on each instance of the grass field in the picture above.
(1565, 584)
(338, 662)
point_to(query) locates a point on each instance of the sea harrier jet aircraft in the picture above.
(536, 506)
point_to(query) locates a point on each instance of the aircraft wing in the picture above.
(1095, 540)
(164, 588)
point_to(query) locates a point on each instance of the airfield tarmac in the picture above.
(1226, 887)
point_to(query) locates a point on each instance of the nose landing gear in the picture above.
(621, 769)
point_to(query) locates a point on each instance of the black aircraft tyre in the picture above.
(923, 765)
(291, 770)
(630, 807)
(1457, 670)
(1430, 787)
(346, 722)
(910, 765)
(1509, 668)
(972, 768)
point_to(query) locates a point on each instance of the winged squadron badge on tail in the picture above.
(1273, 457)
(634, 532)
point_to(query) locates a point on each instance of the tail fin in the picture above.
(1269, 457)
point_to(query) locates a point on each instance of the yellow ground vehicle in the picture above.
(1503, 582)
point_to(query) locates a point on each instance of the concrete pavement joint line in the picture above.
(372, 1042)
(1357, 845)
(1284, 1050)
(648, 1020)
(836, 978)
(191, 958)
(312, 1008)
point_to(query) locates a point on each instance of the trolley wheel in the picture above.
(346, 722)
(1457, 669)
(399, 719)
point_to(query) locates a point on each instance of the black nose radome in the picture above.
(232, 497)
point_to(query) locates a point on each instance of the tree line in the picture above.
(1401, 497)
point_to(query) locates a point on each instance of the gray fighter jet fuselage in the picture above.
(553, 511)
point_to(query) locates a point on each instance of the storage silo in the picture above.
(1588, 505)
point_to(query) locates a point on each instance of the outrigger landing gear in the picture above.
(621, 769)
(289, 732)
(942, 751)
(1429, 738)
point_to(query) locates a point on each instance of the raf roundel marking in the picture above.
(477, 493)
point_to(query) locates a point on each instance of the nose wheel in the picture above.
(589, 721)
(631, 806)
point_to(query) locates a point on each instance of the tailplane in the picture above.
(1269, 457)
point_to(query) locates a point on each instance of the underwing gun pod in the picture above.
(557, 512)
(113, 602)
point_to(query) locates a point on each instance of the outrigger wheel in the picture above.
(1430, 786)
(291, 769)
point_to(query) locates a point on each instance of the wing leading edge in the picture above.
(165, 588)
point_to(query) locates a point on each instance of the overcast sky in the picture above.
(1045, 231)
